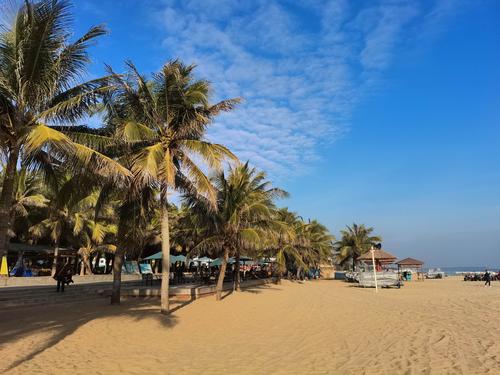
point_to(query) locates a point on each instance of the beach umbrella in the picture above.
(177, 258)
(218, 261)
(201, 260)
(158, 255)
(173, 258)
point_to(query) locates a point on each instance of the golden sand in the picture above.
(326, 327)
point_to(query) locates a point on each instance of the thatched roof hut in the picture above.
(381, 256)
(410, 262)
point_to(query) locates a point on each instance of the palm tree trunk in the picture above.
(6, 199)
(222, 273)
(117, 277)
(54, 261)
(165, 265)
(237, 280)
(299, 270)
(86, 262)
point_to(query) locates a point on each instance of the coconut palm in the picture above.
(355, 240)
(241, 219)
(41, 86)
(298, 244)
(139, 219)
(316, 244)
(92, 236)
(28, 194)
(284, 244)
(162, 121)
(71, 200)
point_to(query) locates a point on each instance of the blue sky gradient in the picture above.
(377, 112)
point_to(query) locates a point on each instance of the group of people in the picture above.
(486, 276)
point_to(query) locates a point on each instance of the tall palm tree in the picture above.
(41, 86)
(241, 219)
(162, 121)
(355, 240)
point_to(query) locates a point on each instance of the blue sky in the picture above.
(377, 112)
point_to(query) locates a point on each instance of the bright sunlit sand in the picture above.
(435, 327)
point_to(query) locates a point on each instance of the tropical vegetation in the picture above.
(107, 191)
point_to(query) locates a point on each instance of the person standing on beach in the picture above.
(63, 275)
(487, 278)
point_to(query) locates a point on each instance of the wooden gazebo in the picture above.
(412, 264)
(381, 257)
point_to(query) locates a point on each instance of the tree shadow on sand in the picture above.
(65, 319)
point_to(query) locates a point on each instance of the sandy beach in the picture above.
(325, 327)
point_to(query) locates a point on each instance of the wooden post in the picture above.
(374, 269)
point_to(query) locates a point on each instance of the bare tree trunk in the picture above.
(165, 265)
(54, 261)
(117, 277)
(222, 273)
(6, 199)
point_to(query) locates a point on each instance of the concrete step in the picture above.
(18, 297)
(58, 298)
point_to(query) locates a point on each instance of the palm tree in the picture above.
(162, 122)
(40, 86)
(138, 225)
(28, 194)
(241, 219)
(92, 235)
(299, 244)
(284, 244)
(72, 199)
(316, 244)
(355, 240)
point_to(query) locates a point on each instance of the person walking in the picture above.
(487, 278)
(63, 276)
(60, 277)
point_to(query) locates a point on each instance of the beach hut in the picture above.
(413, 265)
(382, 257)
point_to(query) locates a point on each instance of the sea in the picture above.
(458, 270)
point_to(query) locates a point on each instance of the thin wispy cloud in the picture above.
(301, 69)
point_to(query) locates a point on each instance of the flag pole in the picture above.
(372, 250)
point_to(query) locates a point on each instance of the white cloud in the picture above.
(301, 69)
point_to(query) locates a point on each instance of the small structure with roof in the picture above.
(409, 266)
(382, 257)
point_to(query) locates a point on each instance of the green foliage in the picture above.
(355, 240)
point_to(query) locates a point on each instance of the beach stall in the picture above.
(409, 267)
